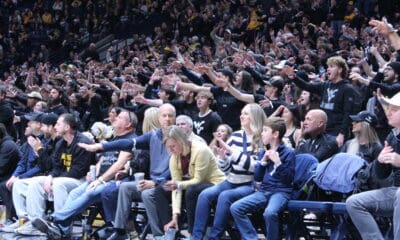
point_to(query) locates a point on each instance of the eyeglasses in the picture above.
(132, 118)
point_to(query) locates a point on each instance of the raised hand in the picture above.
(382, 27)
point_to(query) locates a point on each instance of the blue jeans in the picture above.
(109, 199)
(226, 193)
(383, 202)
(273, 203)
(78, 200)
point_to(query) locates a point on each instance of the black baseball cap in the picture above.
(365, 116)
(49, 118)
(276, 81)
(33, 116)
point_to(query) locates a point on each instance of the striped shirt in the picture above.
(239, 165)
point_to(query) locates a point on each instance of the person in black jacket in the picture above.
(56, 101)
(337, 96)
(9, 154)
(364, 206)
(315, 140)
(70, 165)
(6, 112)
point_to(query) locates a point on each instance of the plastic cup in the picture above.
(139, 176)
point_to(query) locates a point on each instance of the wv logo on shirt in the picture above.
(198, 126)
(331, 95)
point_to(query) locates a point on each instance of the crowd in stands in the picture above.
(211, 100)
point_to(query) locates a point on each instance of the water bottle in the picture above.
(86, 230)
(92, 172)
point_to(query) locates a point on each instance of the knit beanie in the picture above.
(395, 66)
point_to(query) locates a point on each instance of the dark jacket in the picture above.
(58, 109)
(26, 164)
(45, 160)
(281, 179)
(72, 161)
(9, 156)
(388, 89)
(367, 152)
(384, 170)
(322, 147)
(7, 116)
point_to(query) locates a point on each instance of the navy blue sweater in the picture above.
(281, 180)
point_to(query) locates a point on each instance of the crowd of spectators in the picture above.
(287, 56)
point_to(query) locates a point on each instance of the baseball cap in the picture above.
(35, 95)
(33, 116)
(49, 118)
(365, 116)
(275, 81)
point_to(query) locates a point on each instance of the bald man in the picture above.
(315, 140)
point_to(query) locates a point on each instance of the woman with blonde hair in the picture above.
(366, 142)
(238, 163)
(223, 132)
(193, 168)
(150, 120)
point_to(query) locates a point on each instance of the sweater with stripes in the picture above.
(238, 166)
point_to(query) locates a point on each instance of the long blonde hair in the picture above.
(257, 119)
(150, 120)
(368, 133)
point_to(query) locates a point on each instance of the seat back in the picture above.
(306, 165)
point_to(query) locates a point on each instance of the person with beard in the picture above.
(315, 140)
(387, 79)
(55, 101)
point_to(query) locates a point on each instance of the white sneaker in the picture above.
(29, 229)
(10, 228)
